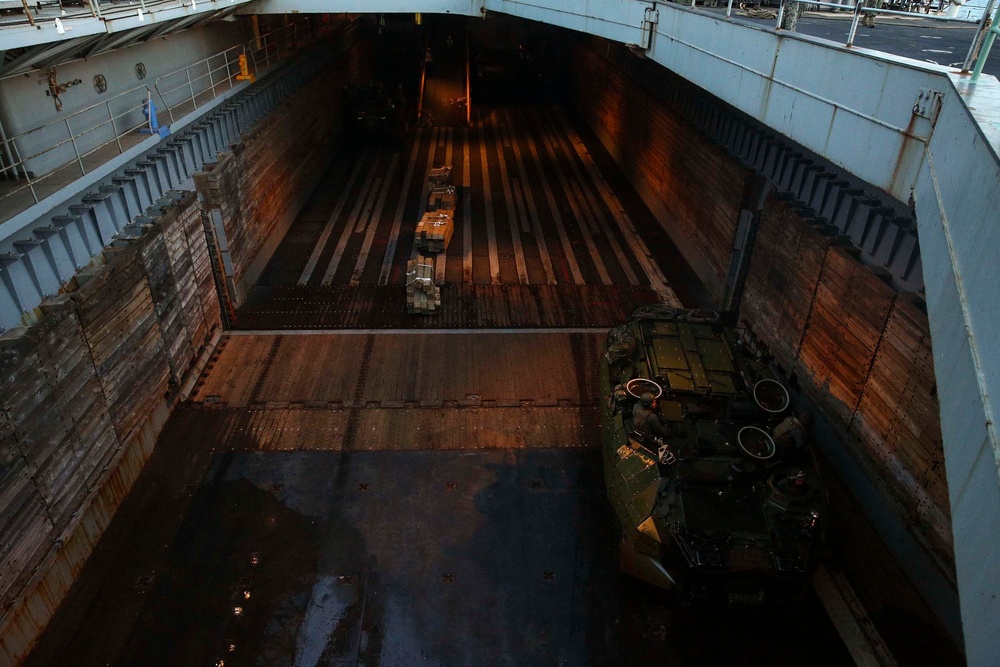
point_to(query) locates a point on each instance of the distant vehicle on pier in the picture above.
(713, 482)
(373, 113)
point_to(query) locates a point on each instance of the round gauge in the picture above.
(140, 70)
(100, 83)
(756, 443)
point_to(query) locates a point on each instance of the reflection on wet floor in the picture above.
(443, 558)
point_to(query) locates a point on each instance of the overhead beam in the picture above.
(460, 7)
(115, 18)
(182, 24)
(45, 55)
(118, 40)
(618, 21)
(42, 55)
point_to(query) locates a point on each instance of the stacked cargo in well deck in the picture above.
(432, 235)
(435, 229)
(437, 224)
(422, 296)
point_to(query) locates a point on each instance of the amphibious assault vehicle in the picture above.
(727, 505)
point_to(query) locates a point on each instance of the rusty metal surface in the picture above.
(399, 370)
(488, 425)
(462, 306)
(131, 546)
(448, 513)
(54, 578)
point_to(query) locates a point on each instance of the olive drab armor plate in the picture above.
(717, 508)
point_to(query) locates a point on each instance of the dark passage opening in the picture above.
(547, 231)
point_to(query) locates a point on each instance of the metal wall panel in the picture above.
(957, 200)
(30, 269)
(612, 19)
(796, 89)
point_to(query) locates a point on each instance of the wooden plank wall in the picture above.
(177, 265)
(846, 319)
(784, 270)
(862, 352)
(898, 421)
(84, 392)
(260, 186)
(692, 186)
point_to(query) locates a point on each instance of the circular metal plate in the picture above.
(771, 395)
(639, 386)
(756, 443)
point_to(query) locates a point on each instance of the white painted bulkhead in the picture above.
(25, 106)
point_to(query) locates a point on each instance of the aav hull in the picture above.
(726, 505)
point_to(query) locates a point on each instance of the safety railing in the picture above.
(269, 48)
(979, 51)
(66, 144)
(59, 13)
(201, 81)
(39, 161)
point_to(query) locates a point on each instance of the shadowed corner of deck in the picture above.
(538, 565)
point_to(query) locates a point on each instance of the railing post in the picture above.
(781, 15)
(253, 59)
(984, 53)
(170, 112)
(858, 4)
(24, 170)
(114, 129)
(211, 80)
(7, 144)
(977, 41)
(729, 9)
(191, 88)
(76, 149)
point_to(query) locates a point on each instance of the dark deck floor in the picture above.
(500, 557)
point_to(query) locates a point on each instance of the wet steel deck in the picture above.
(401, 558)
